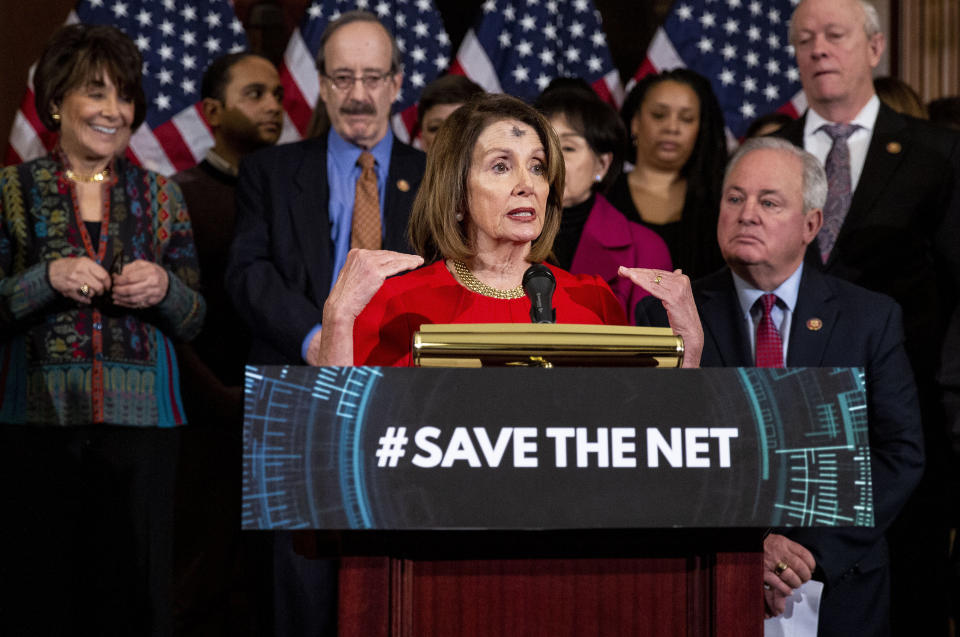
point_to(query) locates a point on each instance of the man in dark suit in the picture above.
(770, 212)
(300, 209)
(891, 225)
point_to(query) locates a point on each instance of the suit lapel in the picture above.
(403, 179)
(814, 319)
(308, 209)
(723, 325)
(877, 172)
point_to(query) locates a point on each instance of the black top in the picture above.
(572, 222)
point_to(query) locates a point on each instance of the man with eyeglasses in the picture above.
(300, 209)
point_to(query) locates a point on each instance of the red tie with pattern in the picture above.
(365, 228)
(839, 192)
(769, 345)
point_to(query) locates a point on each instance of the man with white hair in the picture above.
(769, 309)
(891, 224)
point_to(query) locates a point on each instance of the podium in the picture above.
(565, 501)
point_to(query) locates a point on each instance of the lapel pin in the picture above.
(814, 324)
(894, 147)
(403, 185)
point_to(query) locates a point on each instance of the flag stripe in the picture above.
(476, 65)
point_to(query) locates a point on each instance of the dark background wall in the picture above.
(25, 26)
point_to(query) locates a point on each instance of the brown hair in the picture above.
(80, 53)
(899, 96)
(434, 230)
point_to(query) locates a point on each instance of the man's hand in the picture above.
(786, 566)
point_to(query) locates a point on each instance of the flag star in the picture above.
(509, 13)
(727, 77)
(401, 21)
(734, 4)
(773, 67)
(145, 69)
(169, 5)
(580, 5)
(771, 92)
(789, 50)
(594, 64)
(546, 57)
(421, 29)
(748, 110)
(383, 9)
(189, 13)
(166, 52)
(336, 14)
(189, 62)
(236, 26)
(315, 11)
(753, 33)
(550, 32)
(749, 85)
(442, 38)
(520, 74)
(441, 62)
(576, 29)
(166, 27)
(528, 23)
(599, 39)
(532, 3)
(362, 4)
(755, 8)
(237, 48)
(731, 26)
(729, 51)
(572, 54)
(188, 86)
(162, 102)
(119, 9)
(417, 79)
(752, 59)
(774, 16)
(96, 3)
(489, 6)
(552, 8)
(142, 42)
(212, 20)
(542, 82)
(708, 20)
(705, 45)
(423, 5)
(165, 76)
(504, 39)
(773, 41)
(792, 74)
(401, 44)
(143, 18)
(524, 49)
(419, 54)
(212, 45)
(189, 38)
(684, 12)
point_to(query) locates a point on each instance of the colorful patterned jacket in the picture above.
(70, 364)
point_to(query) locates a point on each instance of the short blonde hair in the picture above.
(435, 231)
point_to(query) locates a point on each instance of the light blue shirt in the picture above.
(342, 174)
(781, 313)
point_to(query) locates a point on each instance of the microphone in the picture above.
(539, 284)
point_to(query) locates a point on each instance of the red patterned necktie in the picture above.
(365, 228)
(839, 192)
(769, 345)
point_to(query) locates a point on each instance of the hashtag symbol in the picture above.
(392, 446)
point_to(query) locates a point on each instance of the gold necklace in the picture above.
(94, 178)
(474, 284)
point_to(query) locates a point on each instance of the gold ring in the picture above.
(780, 568)
(84, 290)
(658, 279)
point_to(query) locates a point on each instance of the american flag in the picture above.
(741, 46)
(518, 46)
(419, 32)
(177, 41)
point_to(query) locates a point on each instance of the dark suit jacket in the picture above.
(859, 329)
(901, 235)
(281, 261)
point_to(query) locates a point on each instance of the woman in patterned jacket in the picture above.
(98, 277)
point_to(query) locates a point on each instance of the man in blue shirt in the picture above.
(298, 207)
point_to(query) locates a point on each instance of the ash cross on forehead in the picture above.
(517, 132)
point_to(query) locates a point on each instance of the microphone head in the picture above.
(539, 278)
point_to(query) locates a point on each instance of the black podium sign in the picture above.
(565, 448)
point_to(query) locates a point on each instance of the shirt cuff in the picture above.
(306, 342)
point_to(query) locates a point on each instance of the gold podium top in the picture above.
(545, 345)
